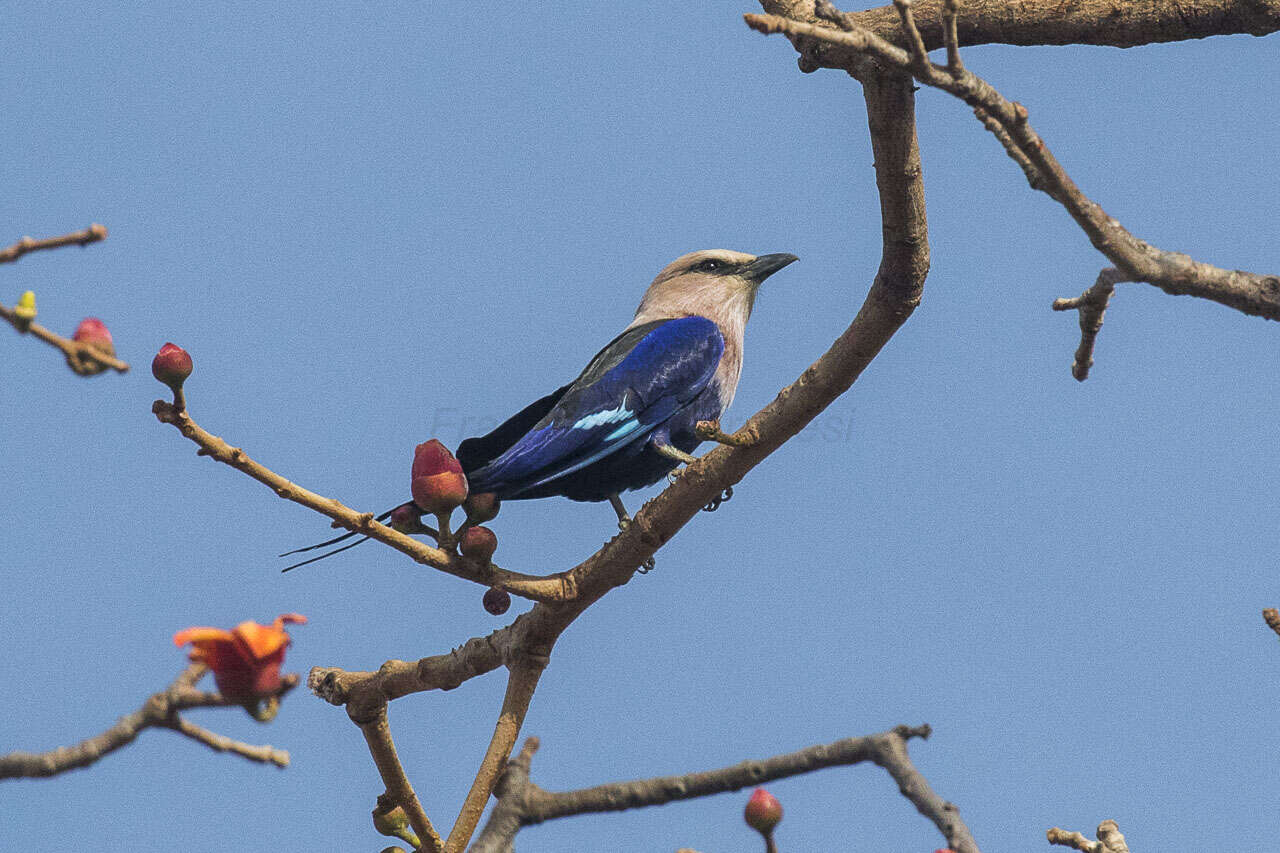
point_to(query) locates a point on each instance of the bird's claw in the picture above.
(647, 566)
(714, 503)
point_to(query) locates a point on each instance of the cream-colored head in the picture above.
(714, 283)
(719, 285)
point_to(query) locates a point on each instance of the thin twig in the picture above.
(1073, 840)
(160, 711)
(83, 359)
(92, 234)
(1109, 839)
(377, 734)
(951, 36)
(556, 587)
(1092, 305)
(265, 754)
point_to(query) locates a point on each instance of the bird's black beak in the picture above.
(766, 265)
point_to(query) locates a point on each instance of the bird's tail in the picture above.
(334, 541)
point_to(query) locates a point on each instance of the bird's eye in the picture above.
(709, 265)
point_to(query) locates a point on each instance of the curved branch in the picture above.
(522, 803)
(894, 294)
(159, 711)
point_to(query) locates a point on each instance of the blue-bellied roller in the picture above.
(629, 418)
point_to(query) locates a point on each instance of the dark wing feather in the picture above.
(629, 389)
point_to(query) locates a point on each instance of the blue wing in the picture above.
(633, 386)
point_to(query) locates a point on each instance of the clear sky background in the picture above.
(375, 225)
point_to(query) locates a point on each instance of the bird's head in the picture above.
(714, 283)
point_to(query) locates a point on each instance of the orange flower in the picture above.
(246, 660)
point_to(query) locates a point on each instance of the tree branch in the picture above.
(83, 359)
(550, 588)
(265, 754)
(377, 734)
(160, 710)
(521, 684)
(894, 294)
(1046, 22)
(1136, 260)
(522, 803)
(92, 234)
(1092, 305)
(1109, 839)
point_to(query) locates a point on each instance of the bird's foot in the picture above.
(710, 431)
(624, 520)
(647, 566)
(714, 503)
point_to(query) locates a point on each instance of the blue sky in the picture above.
(372, 227)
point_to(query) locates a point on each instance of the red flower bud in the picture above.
(497, 601)
(482, 507)
(432, 457)
(438, 484)
(172, 366)
(763, 812)
(93, 332)
(478, 543)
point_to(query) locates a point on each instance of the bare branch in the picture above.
(92, 234)
(522, 803)
(1136, 260)
(1045, 22)
(377, 734)
(83, 359)
(894, 294)
(265, 754)
(160, 710)
(557, 587)
(1109, 839)
(1092, 305)
(521, 685)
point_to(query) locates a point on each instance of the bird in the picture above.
(630, 417)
